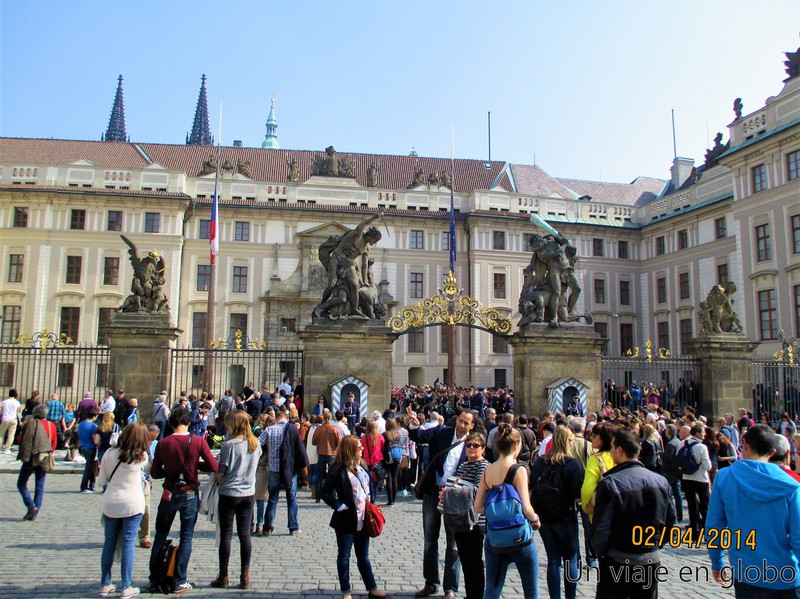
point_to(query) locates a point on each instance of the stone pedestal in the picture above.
(336, 349)
(726, 372)
(141, 355)
(543, 355)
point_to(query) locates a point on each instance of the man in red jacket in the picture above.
(177, 460)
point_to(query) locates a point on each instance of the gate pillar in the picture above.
(336, 349)
(543, 355)
(726, 372)
(141, 356)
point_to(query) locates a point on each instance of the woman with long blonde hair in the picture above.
(236, 476)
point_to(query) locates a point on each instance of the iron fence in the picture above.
(776, 389)
(233, 368)
(679, 375)
(69, 370)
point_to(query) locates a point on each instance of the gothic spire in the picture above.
(116, 124)
(271, 140)
(201, 133)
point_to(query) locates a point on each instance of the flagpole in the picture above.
(452, 339)
(208, 362)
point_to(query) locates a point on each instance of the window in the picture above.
(446, 242)
(599, 291)
(625, 293)
(20, 217)
(797, 310)
(12, 317)
(661, 290)
(239, 279)
(199, 323)
(683, 239)
(793, 161)
(499, 345)
(70, 321)
(499, 285)
(763, 246)
(6, 374)
(205, 229)
(662, 329)
(686, 334)
(722, 273)
(721, 227)
(444, 338)
(416, 288)
(66, 374)
(102, 377)
(683, 285)
(152, 222)
(242, 231)
(103, 320)
(110, 271)
(15, 266)
(625, 337)
(661, 246)
(622, 250)
(417, 241)
(759, 178)
(796, 234)
(238, 323)
(77, 220)
(601, 328)
(416, 342)
(74, 270)
(597, 247)
(203, 277)
(768, 314)
(500, 378)
(498, 240)
(288, 326)
(115, 220)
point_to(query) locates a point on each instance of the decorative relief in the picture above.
(117, 176)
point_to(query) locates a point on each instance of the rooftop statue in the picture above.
(712, 155)
(418, 179)
(737, 108)
(148, 281)
(209, 166)
(244, 167)
(351, 291)
(293, 168)
(372, 174)
(331, 165)
(717, 314)
(792, 64)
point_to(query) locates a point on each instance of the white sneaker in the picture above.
(129, 592)
(107, 590)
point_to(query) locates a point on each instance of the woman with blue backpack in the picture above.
(510, 519)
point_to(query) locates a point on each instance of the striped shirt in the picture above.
(469, 474)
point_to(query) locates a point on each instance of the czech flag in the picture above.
(214, 226)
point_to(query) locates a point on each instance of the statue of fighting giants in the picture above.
(351, 291)
(717, 314)
(148, 282)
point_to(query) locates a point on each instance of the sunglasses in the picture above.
(473, 445)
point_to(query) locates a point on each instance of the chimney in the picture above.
(681, 171)
(237, 143)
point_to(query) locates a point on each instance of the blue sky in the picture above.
(586, 87)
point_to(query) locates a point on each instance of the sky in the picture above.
(584, 89)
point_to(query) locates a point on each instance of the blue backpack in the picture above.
(684, 461)
(507, 528)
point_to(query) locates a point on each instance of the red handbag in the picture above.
(373, 519)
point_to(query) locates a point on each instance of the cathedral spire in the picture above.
(116, 124)
(201, 132)
(271, 140)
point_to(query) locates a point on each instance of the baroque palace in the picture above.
(649, 250)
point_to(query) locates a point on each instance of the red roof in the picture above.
(60, 151)
(640, 191)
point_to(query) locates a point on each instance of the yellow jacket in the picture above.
(594, 472)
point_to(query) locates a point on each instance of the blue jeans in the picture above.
(344, 543)
(431, 526)
(590, 557)
(184, 504)
(527, 562)
(321, 471)
(90, 455)
(274, 487)
(561, 544)
(261, 508)
(25, 472)
(678, 497)
(128, 528)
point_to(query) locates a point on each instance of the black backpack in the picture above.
(549, 495)
(164, 574)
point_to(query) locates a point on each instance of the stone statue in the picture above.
(148, 281)
(712, 155)
(716, 314)
(209, 166)
(446, 180)
(293, 169)
(346, 167)
(737, 108)
(433, 179)
(351, 291)
(227, 165)
(418, 179)
(547, 279)
(792, 64)
(331, 165)
(372, 174)
(243, 167)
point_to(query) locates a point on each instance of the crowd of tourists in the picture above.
(492, 478)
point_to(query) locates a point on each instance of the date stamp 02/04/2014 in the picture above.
(712, 538)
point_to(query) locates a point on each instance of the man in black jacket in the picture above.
(632, 507)
(439, 439)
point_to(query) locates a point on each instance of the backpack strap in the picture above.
(512, 472)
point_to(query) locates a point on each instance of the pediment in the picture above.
(155, 167)
(83, 162)
(323, 231)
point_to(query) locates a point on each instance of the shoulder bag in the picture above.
(458, 504)
(373, 519)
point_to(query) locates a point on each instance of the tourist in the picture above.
(86, 407)
(373, 442)
(321, 405)
(37, 444)
(629, 497)
(122, 469)
(508, 444)
(56, 410)
(393, 451)
(11, 409)
(262, 480)
(325, 441)
(147, 484)
(161, 413)
(107, 431)
(70, 429)
(696, 485)
(236, 476)
(178, 458)
(88, 440)
(30, 404)
(346, 490)
(669, 470)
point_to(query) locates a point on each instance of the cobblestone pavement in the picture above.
(58, 555)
